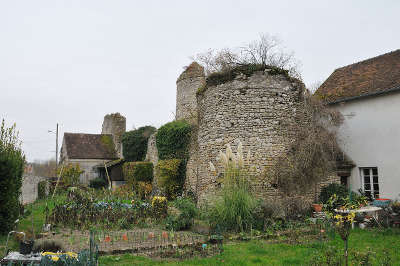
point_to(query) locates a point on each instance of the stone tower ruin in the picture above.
(115, 124)
(186, 87)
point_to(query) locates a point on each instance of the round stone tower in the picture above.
(186, 87)
(115, 124)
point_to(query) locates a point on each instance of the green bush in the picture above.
(171, 177)
(138, 171)
(98, 183)
(12, 162)
(70, 174)
(327, 191)
(184, 219)
(135, 143)
(173, 139)
(42, 189)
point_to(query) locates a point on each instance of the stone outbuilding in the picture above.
(93, 150)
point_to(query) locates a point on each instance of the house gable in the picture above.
(367, 78)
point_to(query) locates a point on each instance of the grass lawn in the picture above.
(260, 253)
(248, 253)
(25, 224)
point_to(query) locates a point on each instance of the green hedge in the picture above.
(42, 189)
(98, 183)
(185, 218)
(138, 172)
(173, 140)
(12, 162)
(171, 177)
(135, 143)
(327, 191)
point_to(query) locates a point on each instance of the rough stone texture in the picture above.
(187, 84)
(255, 110)
(29, 190)
(152, 155)
(115, 124)
(192, 166)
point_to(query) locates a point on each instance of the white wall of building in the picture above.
(87, 166)
(370, 136)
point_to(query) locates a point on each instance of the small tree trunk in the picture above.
(346, 254)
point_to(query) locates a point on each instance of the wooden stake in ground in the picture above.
(58, 180)
(108, 177)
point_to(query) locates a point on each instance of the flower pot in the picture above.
(317, 207)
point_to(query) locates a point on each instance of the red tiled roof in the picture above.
(372, 76)
(89, 146)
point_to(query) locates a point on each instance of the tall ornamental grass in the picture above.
(234, 208)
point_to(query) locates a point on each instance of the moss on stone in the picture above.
(222, 77)
(107, 142)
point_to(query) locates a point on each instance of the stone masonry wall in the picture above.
(29, 189)
(255, 110)
(186, 87)
(152, 156)
(115, 124)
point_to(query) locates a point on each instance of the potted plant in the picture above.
(317, 207)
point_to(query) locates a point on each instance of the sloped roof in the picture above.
(89, 146)
(373, 76)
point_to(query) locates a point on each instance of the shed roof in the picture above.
(89, 146)
(370, 77)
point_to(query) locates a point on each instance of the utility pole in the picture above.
(56, 149)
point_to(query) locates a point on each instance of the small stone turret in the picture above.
(115, 124)
(186, 87)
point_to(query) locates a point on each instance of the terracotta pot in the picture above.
(317, 207)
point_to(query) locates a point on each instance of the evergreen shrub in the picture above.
(42, 189)
(137, 172)
(135, 143)
(12, 162)
(98, 183)
(327, 191)
(185, 218)
(160, 206)
(171, 177)
(173, 140)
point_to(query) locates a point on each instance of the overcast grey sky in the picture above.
(72, 62)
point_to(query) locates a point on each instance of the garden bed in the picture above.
(127, 241)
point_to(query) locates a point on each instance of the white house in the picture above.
(367, 94)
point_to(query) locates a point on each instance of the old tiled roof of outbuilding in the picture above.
(373, 76)
(89, 146)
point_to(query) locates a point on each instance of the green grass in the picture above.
(246, 253)
(262, 253)
(25, 224)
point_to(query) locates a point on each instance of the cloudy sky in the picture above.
(71, 62)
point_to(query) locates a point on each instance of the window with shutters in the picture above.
(370, 182)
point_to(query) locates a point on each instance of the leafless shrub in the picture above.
(267, 50)
(313, 151)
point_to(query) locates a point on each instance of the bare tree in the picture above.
(267, 50)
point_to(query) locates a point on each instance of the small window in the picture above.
(370, 182)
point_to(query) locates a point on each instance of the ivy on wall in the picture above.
(222, 77)
(173, 140)
(135, 143)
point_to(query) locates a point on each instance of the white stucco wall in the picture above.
(87, 166)
(370, 136)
